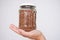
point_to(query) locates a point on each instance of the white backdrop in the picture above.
(48, 18)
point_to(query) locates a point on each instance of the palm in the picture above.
(32, 34)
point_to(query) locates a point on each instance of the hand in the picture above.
(35, 34)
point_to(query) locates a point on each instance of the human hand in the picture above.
(34, 34)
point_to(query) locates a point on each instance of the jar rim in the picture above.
(27, 6)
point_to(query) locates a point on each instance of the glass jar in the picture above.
(27, 17)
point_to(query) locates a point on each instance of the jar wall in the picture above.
(27, 19)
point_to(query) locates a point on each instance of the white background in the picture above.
(48, 18)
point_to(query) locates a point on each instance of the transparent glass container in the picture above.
(27, 17)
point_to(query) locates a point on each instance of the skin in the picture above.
(33, 35)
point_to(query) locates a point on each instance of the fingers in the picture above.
(14, 28)
(19, 31)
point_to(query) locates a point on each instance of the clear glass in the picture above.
(27, 18)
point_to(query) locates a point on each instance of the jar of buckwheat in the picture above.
(27, 17)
